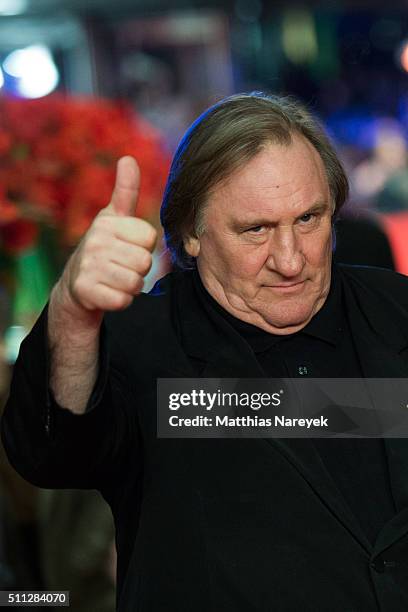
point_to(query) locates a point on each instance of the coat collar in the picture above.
(209, 338)
(325, 325)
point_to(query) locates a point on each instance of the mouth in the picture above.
(289, 287)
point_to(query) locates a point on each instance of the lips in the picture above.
(289, 284)
(288, 287)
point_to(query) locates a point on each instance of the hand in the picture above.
(107, 269)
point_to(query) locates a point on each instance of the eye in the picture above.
(307, 217)
(257, 229)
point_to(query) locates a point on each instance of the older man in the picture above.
(224, 525)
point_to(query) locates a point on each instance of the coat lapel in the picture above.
(381, 340)
(303, 456)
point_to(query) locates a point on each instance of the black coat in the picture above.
(216, 525)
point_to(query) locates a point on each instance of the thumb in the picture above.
(126, 190)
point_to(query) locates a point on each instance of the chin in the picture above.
(282, 320)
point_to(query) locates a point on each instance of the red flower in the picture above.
(58, 158)
(8, 210)
(19, 235)
(5, 142)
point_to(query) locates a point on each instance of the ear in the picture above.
(192, 246)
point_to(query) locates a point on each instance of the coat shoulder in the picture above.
(386, 283)
(147, 308)
(148, 331)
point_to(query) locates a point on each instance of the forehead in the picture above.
(280, 180)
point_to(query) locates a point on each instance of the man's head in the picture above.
(250, 199)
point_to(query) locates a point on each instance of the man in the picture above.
(224, 525)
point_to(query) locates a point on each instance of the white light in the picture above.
(1, 78)
(13, 338)
(34, 69)
(13, 7)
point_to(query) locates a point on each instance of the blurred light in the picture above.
(350, 128)
(390, 145)
(13, 338)
(1, 78)
(403, 56)
(13, 7)
(299, 38)
(34, 69)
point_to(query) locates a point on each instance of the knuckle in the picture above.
(82, 284)
(148, 232)
(92, 242)
(151, 236)
(80, 289)
(121, 301)
(145, 262)
(102, 223)
(84, 265)
(137, 284)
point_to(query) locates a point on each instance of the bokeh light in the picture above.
(13, 7)
(403, 56)
(33, 70)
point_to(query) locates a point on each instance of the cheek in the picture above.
(318, 252)
(232, 257)
(253, 260)
(246, 261)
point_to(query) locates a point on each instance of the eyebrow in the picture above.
(318, 207)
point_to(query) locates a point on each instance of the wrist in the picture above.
(68, 315)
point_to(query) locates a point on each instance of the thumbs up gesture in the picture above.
(107, 269)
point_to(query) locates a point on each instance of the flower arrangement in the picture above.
(57, 165)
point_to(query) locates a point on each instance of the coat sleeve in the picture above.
(52, 447)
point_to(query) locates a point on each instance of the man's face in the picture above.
(265, 253)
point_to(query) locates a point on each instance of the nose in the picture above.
(285, 254)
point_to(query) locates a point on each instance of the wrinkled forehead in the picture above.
(279, 179)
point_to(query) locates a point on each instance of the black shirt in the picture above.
(324, 349)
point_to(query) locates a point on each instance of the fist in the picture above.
(108, 267)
